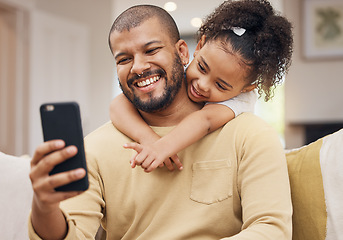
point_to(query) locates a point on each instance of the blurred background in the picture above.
(57, 50)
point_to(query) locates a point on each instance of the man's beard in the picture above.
(172, 87)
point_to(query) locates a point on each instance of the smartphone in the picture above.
(63, 121)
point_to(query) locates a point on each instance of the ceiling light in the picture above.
(170, 6)
(196, 22)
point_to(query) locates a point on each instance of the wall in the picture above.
(8, 70)
(96, 15)
(313, 88)
(57, 44)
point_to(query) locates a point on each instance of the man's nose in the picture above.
(140, 64)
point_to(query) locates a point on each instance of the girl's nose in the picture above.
(203, 84)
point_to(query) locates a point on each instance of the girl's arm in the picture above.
(211, 117)
(192, 128)
(188, 131)
(127, 119)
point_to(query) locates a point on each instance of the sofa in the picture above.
(316, 180)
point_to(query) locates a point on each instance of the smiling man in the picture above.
(149, 67)
(234, 184)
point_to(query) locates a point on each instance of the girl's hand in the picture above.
(149, 158)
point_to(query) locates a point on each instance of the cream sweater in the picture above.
(234, 185)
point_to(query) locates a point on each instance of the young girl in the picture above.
(242, 45)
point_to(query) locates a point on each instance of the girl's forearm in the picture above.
(183, 135)
(126, 118)
(193, 128)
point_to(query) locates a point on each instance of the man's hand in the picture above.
(47, 218)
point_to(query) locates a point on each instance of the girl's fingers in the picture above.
(135, 146)
(153, 166)
(169, 165)
(138, 148)
(132, 160)
(177, 162)
(143, 158)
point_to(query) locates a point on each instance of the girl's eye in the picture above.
(202, 69)
(221, 86)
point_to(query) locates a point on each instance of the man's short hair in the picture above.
(136, 15)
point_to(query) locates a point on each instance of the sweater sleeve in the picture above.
(263, 185)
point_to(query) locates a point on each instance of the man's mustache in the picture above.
(160, 72)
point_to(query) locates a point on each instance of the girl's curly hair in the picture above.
(266, 46)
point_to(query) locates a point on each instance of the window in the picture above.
(273, 111)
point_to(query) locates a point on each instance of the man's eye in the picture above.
(153, 50)
(122, 61)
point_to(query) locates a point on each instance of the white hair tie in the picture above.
(238, 30)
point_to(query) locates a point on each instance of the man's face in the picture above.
(149, 68)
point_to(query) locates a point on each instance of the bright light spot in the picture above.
(170, 6)
(196, 22)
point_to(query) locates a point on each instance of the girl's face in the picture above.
(216, 74)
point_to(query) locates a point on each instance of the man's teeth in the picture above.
(148, 81)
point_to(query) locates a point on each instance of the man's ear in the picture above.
(200, 44)
(183, 51)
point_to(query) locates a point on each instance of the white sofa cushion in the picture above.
(16, 196)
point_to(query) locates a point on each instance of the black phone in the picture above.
(63, 121)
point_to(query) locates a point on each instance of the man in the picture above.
(234, 182)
